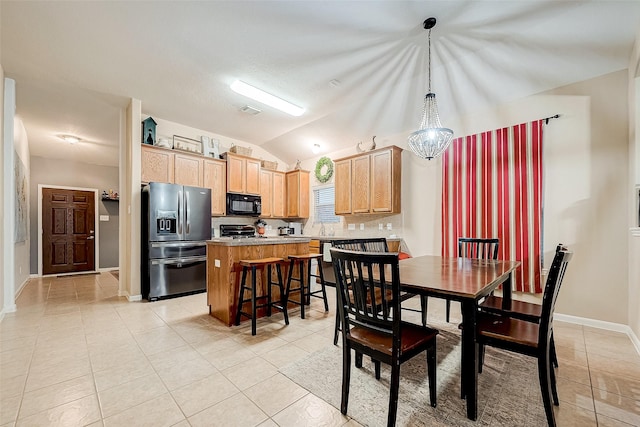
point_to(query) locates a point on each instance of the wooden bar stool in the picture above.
(254, 265)
(305, 289)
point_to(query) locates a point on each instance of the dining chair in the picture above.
(522, 310)
(529, 338)
(374, 244)
(471, 247)
(372, 323)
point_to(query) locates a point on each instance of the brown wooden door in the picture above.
(68, 231)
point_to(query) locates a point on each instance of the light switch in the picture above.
(380, 226)
(104, 217)
(351, 227)
(389, 226)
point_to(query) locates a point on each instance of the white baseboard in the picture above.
(107, 269)
(21, 287)
(133, 298)
(601, 324)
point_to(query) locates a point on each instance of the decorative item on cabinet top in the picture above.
(362, 149)
(243, 151)
(210, 147)
(187, 144)
(267, 164)
(324, 169)
(149, 131)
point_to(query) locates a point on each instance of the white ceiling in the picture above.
(76, 64)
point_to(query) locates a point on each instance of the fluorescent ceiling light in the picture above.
(70, 139)
(266, 98)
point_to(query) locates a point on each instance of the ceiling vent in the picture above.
(250, 110)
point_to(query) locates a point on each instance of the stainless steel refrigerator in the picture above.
(176, 222)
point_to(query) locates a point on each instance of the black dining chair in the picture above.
(374, 244)
(368, 288)
(522, 310)
(471, 247)
(529, 338)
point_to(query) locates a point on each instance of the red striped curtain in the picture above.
(492, 187)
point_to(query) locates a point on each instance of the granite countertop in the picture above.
(255, 241)
(331, 238)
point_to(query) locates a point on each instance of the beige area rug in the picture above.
(508, 388)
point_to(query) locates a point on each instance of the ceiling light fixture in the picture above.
(431, 139)
(70, 139)
(315, 149)
(266, 98)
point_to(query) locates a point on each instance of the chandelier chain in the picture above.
(429, 60)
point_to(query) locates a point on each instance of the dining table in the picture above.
(466, 280)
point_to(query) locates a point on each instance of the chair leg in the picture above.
(423, 305)
(545, 387)
(376, 364)
(554, 390)
(554, 357)
(358, 359)
(448, 309)
(336, 330)
(283, 295)
(324, 288)
(393, 395)
(431, 368)
(254, 309)
(480, 357)
(346, 377)
(241, 298)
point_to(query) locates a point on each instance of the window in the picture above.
(324, 201)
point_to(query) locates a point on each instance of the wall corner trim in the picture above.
(601, 324)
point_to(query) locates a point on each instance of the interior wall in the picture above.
(21, 249)
(2, 195)
(67, 173)
(585, 194)
(634, 185)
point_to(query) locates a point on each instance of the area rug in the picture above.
(508, 388)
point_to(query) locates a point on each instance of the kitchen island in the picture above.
(224, 272)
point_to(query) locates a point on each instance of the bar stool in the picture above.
(254, 265)
(305, 289)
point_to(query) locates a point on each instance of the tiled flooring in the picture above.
(76, 354)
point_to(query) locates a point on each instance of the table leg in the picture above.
(469, 375)
(506, 293)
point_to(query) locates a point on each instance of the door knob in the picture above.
(90, 238)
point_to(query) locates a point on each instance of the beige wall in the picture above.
(586, 189)
(634, 182)
(2, 195)
(21, 249)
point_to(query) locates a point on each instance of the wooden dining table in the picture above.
(468, 281)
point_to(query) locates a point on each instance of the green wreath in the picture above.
(322, 162)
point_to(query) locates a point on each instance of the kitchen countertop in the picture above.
(332, 238)
(255, 241)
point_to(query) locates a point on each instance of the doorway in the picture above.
(68, 224)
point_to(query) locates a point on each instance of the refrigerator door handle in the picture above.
(180, 262)
(180, 213)
(177, 245)
(186, 213)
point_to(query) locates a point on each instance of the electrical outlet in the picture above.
(361, 226)
(380, 226)
(389, 227)
(216, 263)
(351, 227)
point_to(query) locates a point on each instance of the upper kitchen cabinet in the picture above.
(369, 183)
(272, 191)
(342, 183)
(157, 164)
(243, 174)
(215, 178)
(188, 170)
(297, 189)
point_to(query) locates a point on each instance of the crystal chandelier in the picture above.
(431, 139)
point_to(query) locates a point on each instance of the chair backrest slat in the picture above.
(368, 287)
(551, 290)
(376, 244)
(469, 247)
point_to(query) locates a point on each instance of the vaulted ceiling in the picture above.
(76, 64)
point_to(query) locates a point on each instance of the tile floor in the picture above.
(76, 354)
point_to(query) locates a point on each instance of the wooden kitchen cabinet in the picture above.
(214, 176)
(369, 183)
(157, 164)
(272, 191)
(188, 170)
(297, 189)
(342, 183)
(243, 174)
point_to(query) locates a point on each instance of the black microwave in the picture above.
(243, 204)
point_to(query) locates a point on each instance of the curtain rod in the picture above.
(546, 119)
